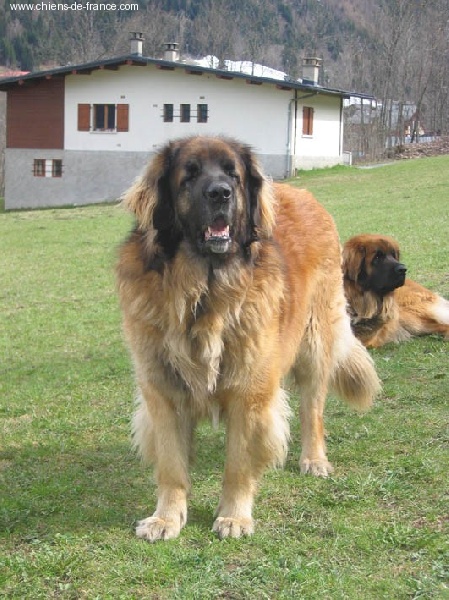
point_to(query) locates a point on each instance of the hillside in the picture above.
(393, 49)
(276, 32)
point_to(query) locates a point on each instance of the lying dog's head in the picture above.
(372, 262)
(206, 191)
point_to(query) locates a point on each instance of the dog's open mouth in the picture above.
(218, 230)
(217, 236)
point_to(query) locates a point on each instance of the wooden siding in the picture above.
(35, 114)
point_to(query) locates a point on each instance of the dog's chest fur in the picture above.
(208, 323)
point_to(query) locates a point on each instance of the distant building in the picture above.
(80, 134)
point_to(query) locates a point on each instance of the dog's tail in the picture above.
(355, 379)
(440, 312)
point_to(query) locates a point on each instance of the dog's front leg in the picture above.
(163, 437)
(257, 437)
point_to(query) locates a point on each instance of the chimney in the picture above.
(311, 70)
(171, 51)
(136, 42)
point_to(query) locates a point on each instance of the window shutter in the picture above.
(122, 117)
(307, 120)
(83, 117)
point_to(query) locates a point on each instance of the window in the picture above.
(56, 168)
(103, 117)
(39, 167)
(201, 113)
(47, 167)
(185, 113)
(307, 120)
(168, 113)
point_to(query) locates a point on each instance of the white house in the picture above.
(80, 134)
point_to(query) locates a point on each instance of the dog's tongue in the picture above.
(218, 229)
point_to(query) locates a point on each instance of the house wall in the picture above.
(325, 147)
(99, 166)
(87, 177)
(254, 114)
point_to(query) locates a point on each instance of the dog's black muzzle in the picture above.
(399, 271)
(219, 197)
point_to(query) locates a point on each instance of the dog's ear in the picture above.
(353, 258)
(149, 198)
(259, 198)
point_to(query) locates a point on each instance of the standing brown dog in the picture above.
(383, 304)
(226, 284)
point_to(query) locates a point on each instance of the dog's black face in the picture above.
(208, 202)
(372, 262)
(381, 272)
(208, 196)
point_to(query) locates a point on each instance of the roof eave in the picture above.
(137, 60)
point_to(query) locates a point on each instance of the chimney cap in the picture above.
(136, 35)
(313, 61)
(311, 66)
(171, 51)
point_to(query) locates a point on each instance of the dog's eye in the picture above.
(229, 169)
(378, 256)
(192, 170)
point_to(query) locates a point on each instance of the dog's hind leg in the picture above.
(312, 376)
(329, 355)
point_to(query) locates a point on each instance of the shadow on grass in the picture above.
(55, 491)
(51, 490)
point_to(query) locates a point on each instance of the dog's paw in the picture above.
(318, 467)
(231, 527)
(156, 528)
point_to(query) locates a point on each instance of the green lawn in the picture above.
(71, 489)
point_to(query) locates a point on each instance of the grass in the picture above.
(71, 489)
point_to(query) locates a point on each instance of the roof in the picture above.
(192, 68)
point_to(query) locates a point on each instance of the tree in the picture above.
(210, 34)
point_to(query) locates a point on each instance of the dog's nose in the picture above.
(400, 269)
(219, 192)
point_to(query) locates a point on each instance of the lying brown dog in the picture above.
(385, 306)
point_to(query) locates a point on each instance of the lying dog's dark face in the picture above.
(382, 272)
(373, 263)
(208, 195)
